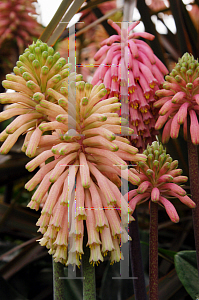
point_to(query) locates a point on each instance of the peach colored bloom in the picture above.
(40, 75)
(178, 99)
(159, 181)
(86, 158)
(17, 22)
(130, 61)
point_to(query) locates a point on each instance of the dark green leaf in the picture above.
(186, 268)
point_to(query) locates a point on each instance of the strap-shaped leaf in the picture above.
(55, 20)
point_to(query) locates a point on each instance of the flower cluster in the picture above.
(17, 22)
(82, 180)
(76, 139)
(130, 61)
(40, 74)
(179, 99)
(159, 181)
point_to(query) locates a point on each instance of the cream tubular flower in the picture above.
(82, 180)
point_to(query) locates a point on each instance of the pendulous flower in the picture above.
(81, 180)
(160, 181)
(179, 99)
(130, 61)
(41, 76)
(17, 22)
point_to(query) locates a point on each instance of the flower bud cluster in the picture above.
(179, 99)
(17, 22)
(160, 180)
(75, 138)
(40, 74)
(131, 62)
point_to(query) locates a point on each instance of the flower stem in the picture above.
(153, 252)
(136, 261)
(194, 187)
(89, 275)
(58, 284)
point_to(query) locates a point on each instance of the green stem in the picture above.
(194, 186)
(89, 275)
(58, 284)
(153, 252)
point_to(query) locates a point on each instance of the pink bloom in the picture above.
(17, 23)
(159, 180)
(134, 69)
(179, 99)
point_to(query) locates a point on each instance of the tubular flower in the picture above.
(17, 22)
(41, 79)
(130, 61)
(179, 99)
(82, 179)
(159, 180)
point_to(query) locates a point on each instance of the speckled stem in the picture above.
(58, 284)
(153, 252)
(136, 261)
(194, 187)
(89, 275)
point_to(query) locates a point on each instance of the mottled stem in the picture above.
(136, 261)
(89, 276)
(58, 284)
(194, 187)
(153, 252)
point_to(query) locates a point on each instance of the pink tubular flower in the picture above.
(17, 22)
(159, 181)
(81, 181)
(131, 62)
(179, 99)
(41, 76)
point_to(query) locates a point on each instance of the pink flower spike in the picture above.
(166, 108)
(101, 52)
(107, 79)
(161, 121)
(170, 209)
(111, 53)
(132, 26)
(166, 134)
(140, 197)
(131, 82)
(157, 74)
(175, 188)
(194, 127)
(144, 35)
(184, 199)
(143, 47)
(133, 48)
(185, 129)
(109, 41)
(196, 98)
(143, 187)
(115, 66)
(182, 113)
(115, 26)
(175, 127)
(145, 86)
(178, 97)
(147, 74)
(155, 194)
(161, 66)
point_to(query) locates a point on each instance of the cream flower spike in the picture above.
(40, 76)
(82, 180)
